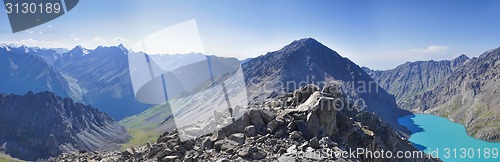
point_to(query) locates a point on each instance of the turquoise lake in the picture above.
(448, 140)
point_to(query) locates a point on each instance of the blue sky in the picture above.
(376, 34)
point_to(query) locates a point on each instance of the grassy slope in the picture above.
(143, 126)
(7, 158)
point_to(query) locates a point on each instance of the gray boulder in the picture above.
(303, 93)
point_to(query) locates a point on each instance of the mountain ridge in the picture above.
(413, 78)
(24, 71)
(42, 125)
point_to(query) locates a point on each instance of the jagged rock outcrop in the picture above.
(312, 133)
(42, 125)
(414, 78)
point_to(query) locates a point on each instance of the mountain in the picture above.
(307, 61)
(470, 95)
(22, 70)
(43, 125)
(414, 78)
(284, 133)
(103, 77)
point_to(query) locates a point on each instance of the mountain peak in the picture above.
(462, 57)
(308, 47)
(122, 47)
(459, 60)
(302, 43)
(306, 40)
(78, 50)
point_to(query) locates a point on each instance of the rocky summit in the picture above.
(280, 129)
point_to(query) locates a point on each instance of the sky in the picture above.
(376, 34)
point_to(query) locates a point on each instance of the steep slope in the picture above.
(22, 71)
(103, 77)
(290, 133)
(470, 95)
(414, 78)
(42, 125)
(307, 61)
(192, 77)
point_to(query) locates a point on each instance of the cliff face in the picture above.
(43, 125)
(470, 95)
(414, 78)
(277, 131)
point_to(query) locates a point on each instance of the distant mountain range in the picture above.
(42, 125)
(464, 90)
(99, 77)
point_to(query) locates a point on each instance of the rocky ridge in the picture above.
(414, 78)
(42, 125)
(305, 125)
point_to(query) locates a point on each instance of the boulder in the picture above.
(326, 113)
(258, 155)
(295, 135)
(257, 121)
(207, 143)
(238, 126)
(267, 115)
(225, 145)
(303, 93)
(250, 131)
(237, 137)
(272, 126)
(218, 135)
(310, 102)
(314, 143)
(246, 151)
(313, 124)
